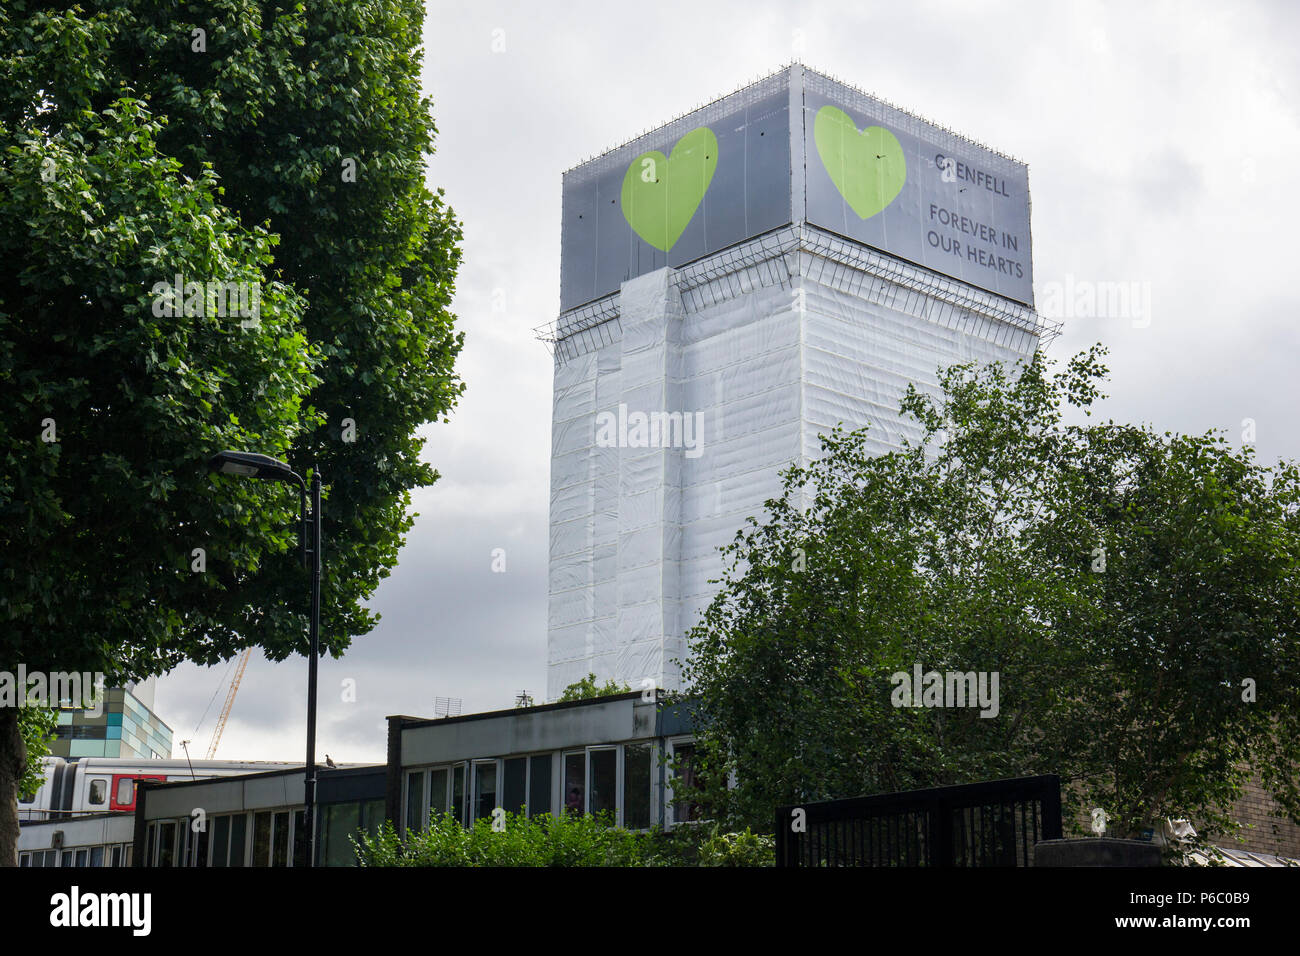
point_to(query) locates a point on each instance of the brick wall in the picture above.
(1263, 832)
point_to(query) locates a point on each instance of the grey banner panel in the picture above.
(748, 164)
(892, 181)
(706, 181)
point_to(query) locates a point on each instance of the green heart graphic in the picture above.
(661, 193)
(868, 168)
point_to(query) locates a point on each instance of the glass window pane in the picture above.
(98, 792)
(166, 843)
(539, 785)
(125, 794)
(575, 780)
(415, 800)
(66, 859)
(514, 786)
(458, 793)
(438, 792)
(262, 838)
(372, 815)
(338, 822)
(684, 769)
(602, 796)
(82, 857)
(300, 837)
(485, 790)
(636, 787)
(96, 856)
(280, 854)
(239, 840)
(220, 840)
(198, 847)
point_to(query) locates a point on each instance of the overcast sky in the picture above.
(1162, 145)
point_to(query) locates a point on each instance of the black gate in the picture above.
(996, 823)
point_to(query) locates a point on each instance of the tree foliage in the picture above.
(588, 688)
(1122, 583)
(37, 726)
(278, 145)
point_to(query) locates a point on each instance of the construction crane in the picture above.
(230, 701)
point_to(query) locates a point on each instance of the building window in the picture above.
(97, 856)
(167, 843)
(602, 789)
(220, 840)
(438, 791)
(372, 816)
(514, 784)
(575, 782)
(239, 840)
(485, 789)
(539, 785)
(458, 793)
(339, 822)
(198, 846)
(280, 840)
(685, 777)
(300, 837)
(637, 766)
(343, 821)
(415, 817)
(262, 838)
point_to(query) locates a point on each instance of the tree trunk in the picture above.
(13, 762)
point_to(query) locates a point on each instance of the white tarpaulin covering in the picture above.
(763, 366)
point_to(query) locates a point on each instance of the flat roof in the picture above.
(411, 722)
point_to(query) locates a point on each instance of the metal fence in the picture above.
(996, 823)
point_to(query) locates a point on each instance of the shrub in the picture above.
(563, 840)
(545, 840)
(738, 849)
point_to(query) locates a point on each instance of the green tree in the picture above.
(587, 688)
(282, 147)
(1121, 583)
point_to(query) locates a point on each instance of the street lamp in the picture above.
(251, 465)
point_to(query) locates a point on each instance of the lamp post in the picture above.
(251, 465)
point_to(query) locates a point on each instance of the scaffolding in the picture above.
(778, 257)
